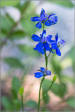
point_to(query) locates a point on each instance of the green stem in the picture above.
(22, 103)
(46, 62)
(51, 85)
(43, 26)
(39, 93)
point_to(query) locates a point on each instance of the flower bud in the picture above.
(54, 78)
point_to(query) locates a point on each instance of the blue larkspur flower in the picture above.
(43, 44)
(42, 72)
(55, 45)
(48, 20)
(61, 43)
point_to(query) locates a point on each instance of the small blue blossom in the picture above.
(42, 72)
(43, 44)
(56, 44)
(61, 42)
(48, 20)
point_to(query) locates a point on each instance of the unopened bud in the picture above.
(54, 78)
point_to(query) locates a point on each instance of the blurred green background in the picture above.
(18, 60)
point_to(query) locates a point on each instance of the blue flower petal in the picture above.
(53, 19)
(62, 42)
(40, 48)
(56, 37)
(39, 25)
(42, 14)
(54, 45)
(42, 69)
(35, 37)
(49, 37)
(48, 72)
(43, 34)
(46, 46)
(58, 51)
(47, 23)
(38, 74)
(35, 19)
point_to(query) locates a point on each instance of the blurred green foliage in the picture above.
(55, 88)
(13, 103)
(31, 104)
(65, 3)
(11, 30)
(8, 2)
(14, 62)
(71, 101)
(28, 50)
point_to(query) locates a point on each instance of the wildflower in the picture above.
(42, 45)
(48, 20)
(42, 72)
(55, 45)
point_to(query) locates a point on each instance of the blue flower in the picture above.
(48, 20)
(42, 72)
(42, 45)
(61, 43)
(55, 45)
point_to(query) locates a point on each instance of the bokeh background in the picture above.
(18, 60)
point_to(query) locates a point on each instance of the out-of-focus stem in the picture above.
(40, 93)
(22, 103)
(46, 60)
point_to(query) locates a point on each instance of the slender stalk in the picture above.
(39, 93)
(43, 26)
(22, 103)
(46, 63)
(51, 85)
(46, 60)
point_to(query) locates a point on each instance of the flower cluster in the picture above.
(45, 42)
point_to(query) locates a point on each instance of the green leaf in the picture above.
(14, 62)
(45, 85)
(68, 78)
(28, 50)
(65, 3)
(58, 89)
(6, 103)
(71, 53)
(45, 97)
(4, 3)
(28, 26)
(71, 102)
(5, 21)
(10, 18)
(16, 104)
(17, 34)
(16, 84)
(56, 67)
(3, 33)
(31, 104)
(23, 7)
